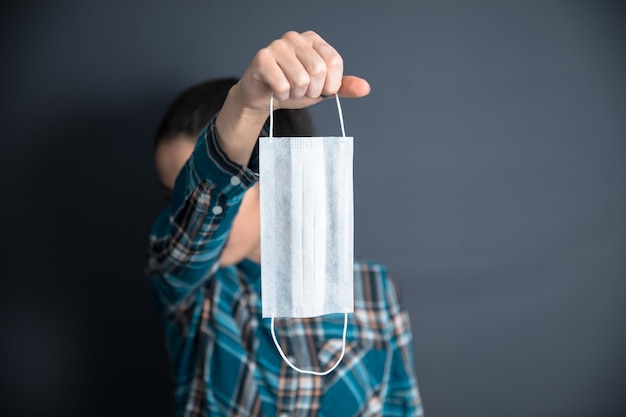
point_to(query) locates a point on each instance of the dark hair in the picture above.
(194, 108)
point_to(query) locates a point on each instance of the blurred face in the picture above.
(245, 236)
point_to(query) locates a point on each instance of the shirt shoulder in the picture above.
(374, 289)
(370, 281)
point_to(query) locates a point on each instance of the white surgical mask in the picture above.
(307, 228)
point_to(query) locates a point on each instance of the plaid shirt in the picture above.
(224, 362)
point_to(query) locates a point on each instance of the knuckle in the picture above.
(263, 55)
(311, 34)
(291, 35)
(278, 44)
(296, 39)
(281, 89)
(318, 69)
(335, 61)
(301, 79)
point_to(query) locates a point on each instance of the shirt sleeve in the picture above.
(187, 238)
(403, 397)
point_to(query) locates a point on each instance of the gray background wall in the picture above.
(490, 177)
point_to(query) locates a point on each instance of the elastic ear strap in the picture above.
(304, 371)
(272, 115)
(271, 132)
(343, 129)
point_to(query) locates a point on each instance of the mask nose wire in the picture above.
(304, 371)
(271, 132)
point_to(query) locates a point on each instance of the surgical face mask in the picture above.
(307, 228)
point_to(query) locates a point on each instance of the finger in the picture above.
(268, 72)
(354, 87)
(316, 69)
(334, 67)
(292, 67)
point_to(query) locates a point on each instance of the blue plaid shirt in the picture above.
(223, 360)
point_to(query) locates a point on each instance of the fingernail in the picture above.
(325, 96)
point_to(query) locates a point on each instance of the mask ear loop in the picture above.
(271, 130)
(304, 371)
(271, 115)
(345, 318)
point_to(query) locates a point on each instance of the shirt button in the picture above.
(291, 359)
(284, 414)
(374, 405)
(217, 210)
(235, 181)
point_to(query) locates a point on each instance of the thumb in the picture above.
(353, 87)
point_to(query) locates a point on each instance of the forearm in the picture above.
(187, 239)
(238, 127)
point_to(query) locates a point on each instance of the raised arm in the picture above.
(188, 238)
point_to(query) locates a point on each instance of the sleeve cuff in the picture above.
(212, 163)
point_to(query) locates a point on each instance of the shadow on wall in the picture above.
(80, 332)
